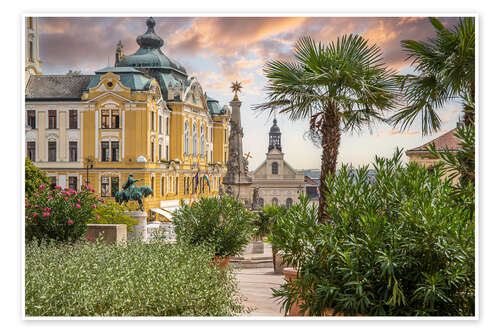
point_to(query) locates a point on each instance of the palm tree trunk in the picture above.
(330, 141)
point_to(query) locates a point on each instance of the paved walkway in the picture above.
(256, 284)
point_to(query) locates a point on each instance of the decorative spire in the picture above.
(236, 87)
(274, 137)
(118, 52)
(150, 40)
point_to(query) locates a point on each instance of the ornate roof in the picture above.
(149, 54)
(275, 129)
(447, 140)
(214, 107)
(56, 87)
(129, 77)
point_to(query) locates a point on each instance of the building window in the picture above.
(274, 168)
(115, 119)
(115, 185)
(152, 121)
(162, 186)
(202, 140)
(152, 151)
(115, 151)
(274, 202)
(72, 180)
(52, 151)
(168, 125)
(160, 152)
(104, 186)
(160, 127)
(30, 22)
(31, 118)
(73, 151)
(104, 151)
(105, 119)
(186, 137)
(225, 136)
(153, 186)
(166, 152)
(195, 139)
(176, 185)
(52, 119)
(289, 202)
(53, 182)
(73, 119)
(31, 150)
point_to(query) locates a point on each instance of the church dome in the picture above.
(275, 129)
(149, 54)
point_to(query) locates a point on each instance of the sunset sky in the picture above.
(218, 50)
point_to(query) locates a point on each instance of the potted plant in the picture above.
(222, 223)
(268, 217)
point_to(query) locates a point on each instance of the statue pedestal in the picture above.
(139, 231)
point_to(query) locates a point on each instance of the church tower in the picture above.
(274, 137)
(33, 65)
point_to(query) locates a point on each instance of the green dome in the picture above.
(149, 54)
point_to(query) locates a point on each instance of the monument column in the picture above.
(237, 180)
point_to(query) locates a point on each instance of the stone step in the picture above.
(245, 263)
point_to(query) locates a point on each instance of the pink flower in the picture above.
(36, 206)
(57, 187)
(97, 217)
(25, 199)
(102, 200)
(94, 206)
(28, 205)
(78, 200)
(48, 209)
(78, 206)
(36, 195)
(42, 186)
(65, 198)
(46, 214)
(89, 238)
(70, 222)
(35, 214)
(50, 198)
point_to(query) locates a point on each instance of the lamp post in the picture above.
(89, 164)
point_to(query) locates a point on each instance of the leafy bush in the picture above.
(136, 279)
(266, 218)
(292, 229)
(113, 213)
(33, 178)
(393, 247)
(57, 214)
(222, 223)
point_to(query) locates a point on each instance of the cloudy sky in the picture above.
(219, 50)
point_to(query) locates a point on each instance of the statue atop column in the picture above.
(237, 174)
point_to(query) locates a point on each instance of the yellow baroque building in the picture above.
(144, 117)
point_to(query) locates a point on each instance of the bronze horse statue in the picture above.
(133, 193)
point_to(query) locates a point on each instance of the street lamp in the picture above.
(89, 164)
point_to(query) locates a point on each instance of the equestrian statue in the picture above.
(132, 192)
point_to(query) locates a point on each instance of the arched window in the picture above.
(274, 168)
(202, 140)
(289, 202)
(195, 139)
(274, 202)
(186, 137)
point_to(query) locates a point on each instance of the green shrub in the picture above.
(266, 218)
(222, 223)
(57, 214)
(393, 247)
(137, 279)
(113, 213)
(33, 178)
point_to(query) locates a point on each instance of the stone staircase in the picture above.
(254, 260)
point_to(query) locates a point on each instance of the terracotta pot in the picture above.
(290, 276)
(221, 262)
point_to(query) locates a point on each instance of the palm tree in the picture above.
(445, 67)
(338, 87)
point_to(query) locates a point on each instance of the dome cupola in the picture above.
(274, 137)
(149, 39)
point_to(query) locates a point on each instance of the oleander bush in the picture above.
(33, 178)
(398, 246)
(222, 223)
(136, 279)
(59, 214)
(113, 213)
